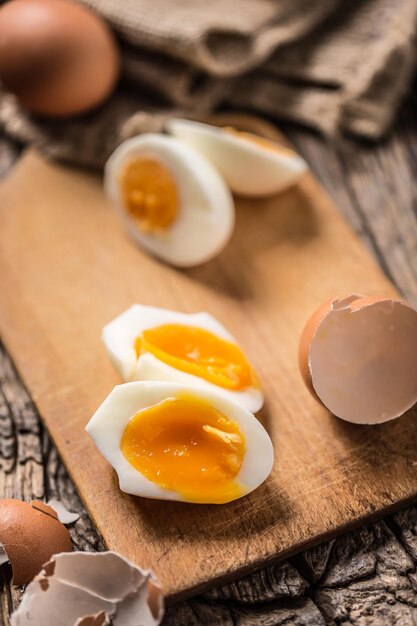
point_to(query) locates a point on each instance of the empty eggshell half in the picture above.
(251, 165)
(358, 356)
(91, 589)
(30, 534)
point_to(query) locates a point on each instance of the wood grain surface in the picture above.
(365, 577)
(327, 473)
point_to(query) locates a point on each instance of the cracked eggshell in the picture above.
(99, 619)
(30, 534)
(4, 557)
(64, 516)
(91, 589)
(251, 165)
(358, 357)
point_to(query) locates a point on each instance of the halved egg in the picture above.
(149, 343)
(251, 165)
(171, 442)
(173, 201)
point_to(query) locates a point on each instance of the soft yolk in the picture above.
(201, 353)
(187, 446)
(261, 142)
(150, 194)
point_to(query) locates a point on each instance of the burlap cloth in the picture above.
(335, 65)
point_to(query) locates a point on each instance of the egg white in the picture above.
(107, 426)
(248, 168)
(119, 340)
(206, 215)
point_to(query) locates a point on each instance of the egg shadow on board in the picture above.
(381, 452)
(265, 508)
(262, 225)
(264, 416)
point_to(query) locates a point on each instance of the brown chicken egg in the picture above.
(56, 56)
(30, 534)
(358, 357)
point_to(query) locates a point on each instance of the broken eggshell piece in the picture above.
(89, 589)
(64, 516)
(4, 557)
(30, 534)
(251, 165)
(358, 356)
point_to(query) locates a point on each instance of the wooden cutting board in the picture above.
(67, 268)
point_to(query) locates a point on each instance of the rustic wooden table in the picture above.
(366, 577)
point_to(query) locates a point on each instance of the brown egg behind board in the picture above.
(56, 56)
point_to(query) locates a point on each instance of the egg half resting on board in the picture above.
(251, 165)
(149, 343)
(173, 201)
(358, 357)
(171, 442)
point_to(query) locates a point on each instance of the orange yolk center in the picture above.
(262, 142)
(150, 194)
(187, 446)
(201, 353)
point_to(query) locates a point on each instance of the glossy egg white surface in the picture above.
(119, 340)
(205, 220)
(107, 426)
(254, 168)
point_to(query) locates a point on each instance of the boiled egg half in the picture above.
(251, 165)
(171, 442)
(149, 343)
(173, 201)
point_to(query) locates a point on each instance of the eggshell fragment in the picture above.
(91, 589)
(30, 534)
(4, 557)
(99, 619)
(64, 516)
(358, 356)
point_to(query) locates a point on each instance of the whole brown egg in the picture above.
(56, 56)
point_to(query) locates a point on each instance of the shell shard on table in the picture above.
(358, 357)
(4, 557)
(30, 534)
(91, 589)
(65, 517)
